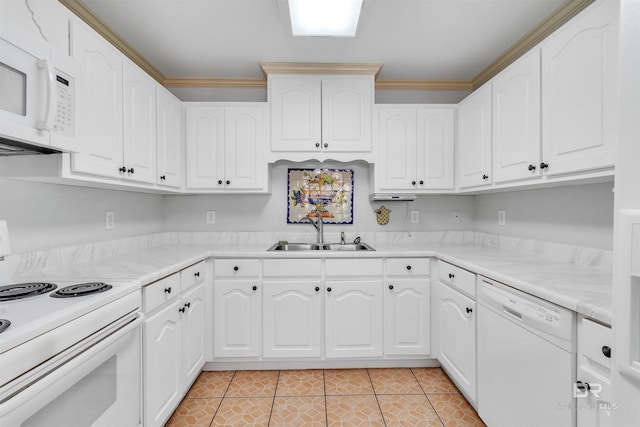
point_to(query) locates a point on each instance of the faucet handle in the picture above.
(342, 238)
(357, 240)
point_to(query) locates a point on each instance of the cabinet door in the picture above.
(353, 319)
(99, 108)
(347, 104)
(406, 314)
(193, 338)
(170, 139)
(457, 337)
(435, 146)
(162, 367)
(245, 164)
(139, 124)
(396, 167)
(516, 120)
(205, 147)
(474, 138)
(292, 319)
(295, 113)
(237, 318)
(579, 77)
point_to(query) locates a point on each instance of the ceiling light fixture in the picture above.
(333, 18)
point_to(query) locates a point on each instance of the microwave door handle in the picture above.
(50, 107)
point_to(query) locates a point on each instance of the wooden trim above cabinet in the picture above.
(561, 15)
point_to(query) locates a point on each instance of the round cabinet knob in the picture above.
(328, 289)
(421, 182)
(606, 350)
(451, 276)
(167, 290)
(235, 268)
(317, 288)
(469, 310)
(219, 182)
(326, 145)
(391, 287)
(163, 177)
(544, 165)
(485, 177)
(228, 182)
(409, 267)
(131, 170)
(197, 274)
(317, 145)
(413, 183)
(255, 288)
(122, 169)
(582, 386)
(532, 168)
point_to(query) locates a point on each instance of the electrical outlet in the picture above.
(456, 216)
(502, 217)
(110, 220)
(211, 217)
(415, 217)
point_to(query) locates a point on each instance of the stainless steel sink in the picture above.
(297, 247)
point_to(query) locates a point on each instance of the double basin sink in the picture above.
(335, 247)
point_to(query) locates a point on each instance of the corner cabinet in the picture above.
(579, 81)
(226, 147)
(320, 114)
(474, 139)
(170, 172)
(415, 148)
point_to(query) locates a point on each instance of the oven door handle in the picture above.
(60, 366)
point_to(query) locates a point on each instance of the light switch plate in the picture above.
(502, 217)
(110, 220)
(456, 216)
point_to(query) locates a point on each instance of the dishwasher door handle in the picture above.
(512, 313)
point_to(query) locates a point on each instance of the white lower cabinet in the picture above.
(292, 318)
(173, 344)
(353, 319)
(237, 318)
(456, 332)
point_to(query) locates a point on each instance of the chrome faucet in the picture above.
(319, 226)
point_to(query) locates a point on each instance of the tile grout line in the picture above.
(223, 396)
(425, 395)
(376, 396)
(273, 401)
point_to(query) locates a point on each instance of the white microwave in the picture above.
(37, 97)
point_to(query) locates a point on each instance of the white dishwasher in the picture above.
(526, 359)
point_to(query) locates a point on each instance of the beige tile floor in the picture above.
(329, 397)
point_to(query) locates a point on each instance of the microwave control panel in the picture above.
(64, 120)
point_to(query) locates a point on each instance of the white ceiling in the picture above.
(413, 39)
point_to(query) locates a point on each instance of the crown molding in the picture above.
(220, 83)
(424, 84)
(318, 68)
(560, 16)
(84, 13)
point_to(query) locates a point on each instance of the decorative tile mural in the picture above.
(327, 192)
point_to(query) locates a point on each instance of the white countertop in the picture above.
(582, 288)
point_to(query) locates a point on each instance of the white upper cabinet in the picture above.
(415, 145)
(320, 114)
(579, 77)
(516, 120)
(170, 140)
(139, 124)
(474, 139)
(226, 147)
(99, 108)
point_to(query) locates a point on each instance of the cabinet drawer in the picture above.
(457, 278)
(407, 266)
(193, 275)
(593, 341)
(354, 267)
(237, 267)
(292, 267)
(157, 293)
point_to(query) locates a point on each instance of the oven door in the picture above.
(100, 386)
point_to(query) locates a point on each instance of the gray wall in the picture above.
(578, 214)
(42, 216)
(269, 213)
